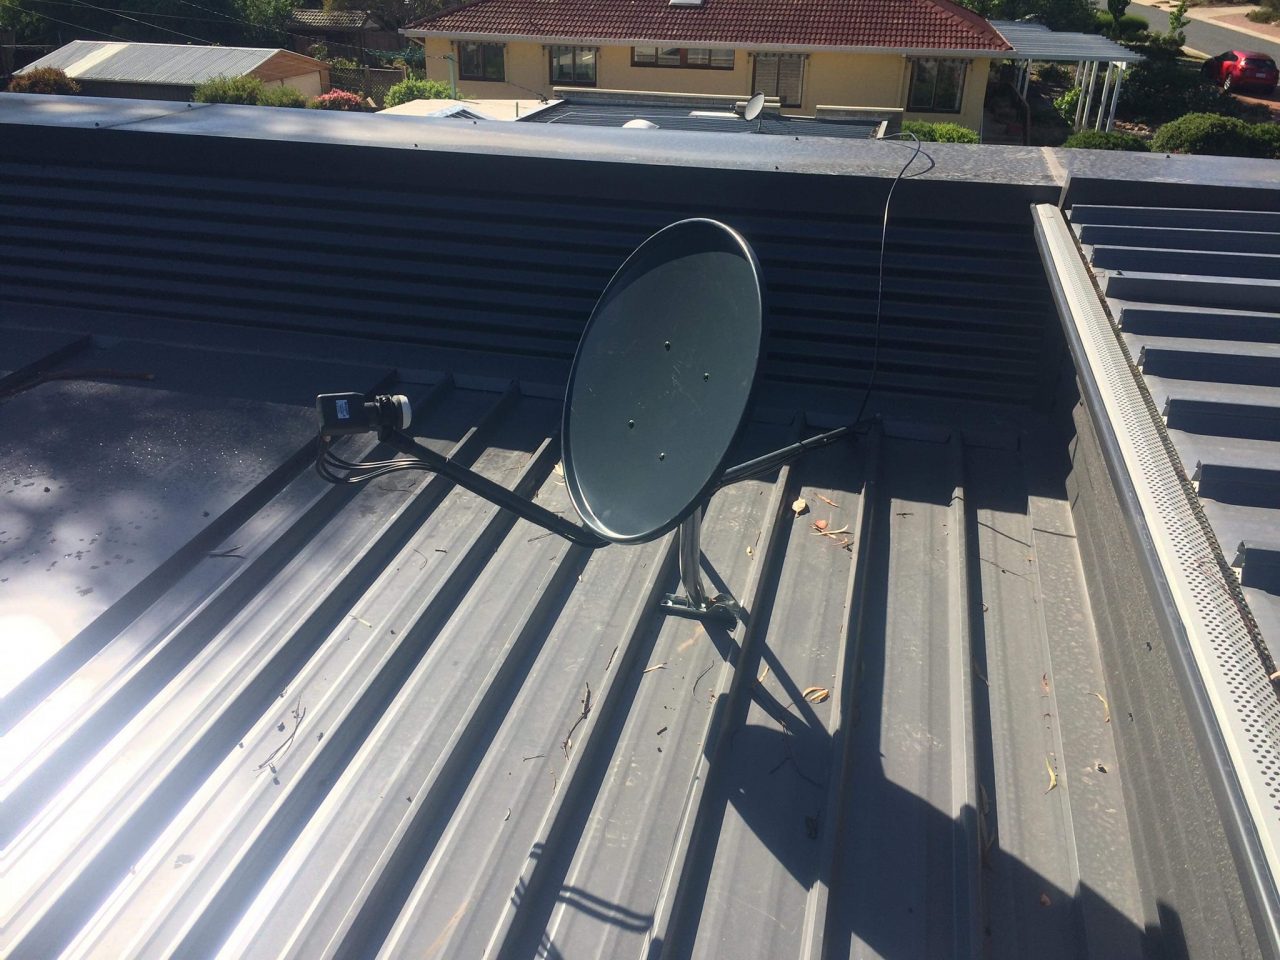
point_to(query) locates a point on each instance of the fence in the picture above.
(367, 81)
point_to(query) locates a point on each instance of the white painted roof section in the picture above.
(156, 62)
(1034, 41)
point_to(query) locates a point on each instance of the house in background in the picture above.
(928, 57)
(172, 71)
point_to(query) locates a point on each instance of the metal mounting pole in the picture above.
(695, 602)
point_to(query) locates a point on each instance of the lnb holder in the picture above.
(345, 414)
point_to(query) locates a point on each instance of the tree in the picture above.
(412, 88)
(226, 22)
(43, 80)
(1116, 8)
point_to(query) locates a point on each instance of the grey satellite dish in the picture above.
(661, 380)
(639, 123)
(753, 108)
(657, 395)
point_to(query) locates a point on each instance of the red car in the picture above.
(1241, 70)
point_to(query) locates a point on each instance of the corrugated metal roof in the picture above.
(684, 118)
(1035, 41)
(1195, 293)
(257, 715)
(292, 720)
(157, 62)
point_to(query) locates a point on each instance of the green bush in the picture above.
(1067, 103)
(1131, 25)
(1209, 133)
(1162, 88)
(412, 88)
(1268, 12)
(1098, 140)
(1267, 137)
(281, 97)
(229, 90)
(43, 80)
(939, 132)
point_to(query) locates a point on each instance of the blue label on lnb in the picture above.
(343, 414)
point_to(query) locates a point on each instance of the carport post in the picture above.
(1102, 100)
(1086, 93)
(1115, 96)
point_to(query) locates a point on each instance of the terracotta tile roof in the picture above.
(354, 19)
(911, 24)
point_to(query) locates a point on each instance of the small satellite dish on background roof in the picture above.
(639, 123)
(754, 107)
(657, 395)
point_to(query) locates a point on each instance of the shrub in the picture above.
(1131, 25)
(1098, 140)
(1162, 88)
(281, 97)
(1268, 12)
(939, 132)
(1067, 103)
(1208, 133)
(1053, 75)
(340, 100)
(1267, 137)
(229, 90)
(411, 88)
(43, 80)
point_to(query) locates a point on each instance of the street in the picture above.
(1208, 38)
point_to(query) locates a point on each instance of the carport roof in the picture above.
(1035, 41)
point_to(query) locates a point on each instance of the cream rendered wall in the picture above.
(851, 80)
(526, 67)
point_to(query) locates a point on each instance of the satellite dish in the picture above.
(639, 123)
(753, 108)
(660, 383)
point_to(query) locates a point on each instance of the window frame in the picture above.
(684, 59)
(759, 85)
(551, 65)
(485, 58)
(939, 62)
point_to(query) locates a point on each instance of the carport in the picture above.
(1036, 43)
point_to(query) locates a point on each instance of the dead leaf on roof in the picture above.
(1053, 775)
(656, 666)
(820, 525)
(1105, 707)
(764, 673)
(816, 694)
(1045, 901)
(1044, 683)
(800, 506)
(559, 469)
(828, 501)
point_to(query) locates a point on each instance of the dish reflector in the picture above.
(661, 381)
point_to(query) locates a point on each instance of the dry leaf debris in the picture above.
(816, 694)
(800, 506)
(1105, 706)
(1053, 775)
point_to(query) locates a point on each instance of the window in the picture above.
(780, 75)
(573, 65)
(480, 61)
(697, 58)
(937, 86)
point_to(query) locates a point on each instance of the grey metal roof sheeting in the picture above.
(153, 62)
(1195, 293)
(1034, 41)
(297, 720)
(683, 118)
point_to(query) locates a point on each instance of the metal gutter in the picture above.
(1211, 635)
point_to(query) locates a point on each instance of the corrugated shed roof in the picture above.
(162, 62)
(911, 24)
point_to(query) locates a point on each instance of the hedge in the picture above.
(1208, 133)
(1099, 140)
(939, 132)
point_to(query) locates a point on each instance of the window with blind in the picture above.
(780, 75)
(696, 58)
(937, 86)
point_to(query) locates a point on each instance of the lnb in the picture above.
(341, 414)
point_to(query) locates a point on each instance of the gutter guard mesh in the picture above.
(1224, 640)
